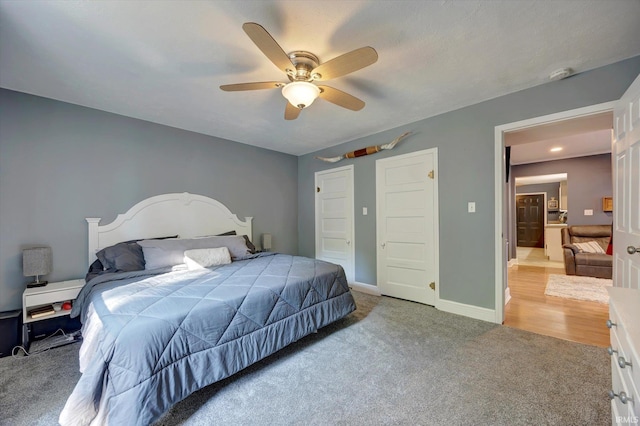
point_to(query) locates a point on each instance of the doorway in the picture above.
(501, 246)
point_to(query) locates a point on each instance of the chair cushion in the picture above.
(594, 259)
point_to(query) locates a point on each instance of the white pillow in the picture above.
(207, 257)
(590, 247)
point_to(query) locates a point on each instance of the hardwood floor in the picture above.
(529, 309)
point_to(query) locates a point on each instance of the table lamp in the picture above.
(266, 242)
(36, 261)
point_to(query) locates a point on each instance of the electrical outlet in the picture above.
(588, 212)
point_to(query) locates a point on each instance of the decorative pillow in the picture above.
(610, 246)
(250, 246)
(590, 247)
(206, 258)
(163, 253)
(95, 269)
(125, 256)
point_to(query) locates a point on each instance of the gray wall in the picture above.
(465, 142)
(60, 163)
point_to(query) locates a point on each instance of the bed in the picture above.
(153, 336)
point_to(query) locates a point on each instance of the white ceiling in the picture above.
(163, 61)
(576, 145)
(578, 137)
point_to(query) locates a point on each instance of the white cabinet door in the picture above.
(553, 243)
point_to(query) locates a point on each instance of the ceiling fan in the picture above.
(302, 69)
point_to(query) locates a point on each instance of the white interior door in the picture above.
(407, 226)
(334, 218)
(626, 192)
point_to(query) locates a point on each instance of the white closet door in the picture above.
(334, 218)
(407, 226)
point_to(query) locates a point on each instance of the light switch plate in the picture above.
(364, 211)
(471, 207)
(588, 212)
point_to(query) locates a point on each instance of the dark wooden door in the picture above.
(530, 220)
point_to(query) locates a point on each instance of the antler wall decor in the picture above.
(365, 151)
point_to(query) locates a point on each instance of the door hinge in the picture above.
(432, 174)
(317, 189)
(432, 285)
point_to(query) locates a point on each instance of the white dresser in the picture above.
(624, 324)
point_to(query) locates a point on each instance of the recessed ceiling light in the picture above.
(556, 149)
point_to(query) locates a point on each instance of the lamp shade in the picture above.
(36, 261)
(266, 242)
(300, 94)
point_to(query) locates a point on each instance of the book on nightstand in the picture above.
(42, 311)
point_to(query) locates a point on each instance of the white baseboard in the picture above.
(507, 295)
(512, 262)
(365, 288)
(470, 311)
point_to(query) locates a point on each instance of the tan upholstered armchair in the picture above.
(579, 262)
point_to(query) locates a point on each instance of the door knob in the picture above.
(383, 244)
(624, 398)
(348, 242)
(632, 249)
(623, 362)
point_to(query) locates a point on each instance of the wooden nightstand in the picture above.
(41, 296)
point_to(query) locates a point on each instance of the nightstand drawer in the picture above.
(52, 297)
(60, 291)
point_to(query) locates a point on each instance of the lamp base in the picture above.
(37, 284)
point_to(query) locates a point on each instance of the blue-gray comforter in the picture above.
(151, 338)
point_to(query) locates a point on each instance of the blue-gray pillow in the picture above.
(125, 256)
(250, 245)
(163, 253)
(95, 269)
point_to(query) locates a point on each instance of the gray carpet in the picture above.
(391, 362)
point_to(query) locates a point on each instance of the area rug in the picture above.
(578, 287)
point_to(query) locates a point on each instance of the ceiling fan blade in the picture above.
(340, 98)
(268, 45)
(347, 63)
(291, 112)
(251, 86)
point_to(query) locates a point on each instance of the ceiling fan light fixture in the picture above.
(300, 94)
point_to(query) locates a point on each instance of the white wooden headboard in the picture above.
(183, 214)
